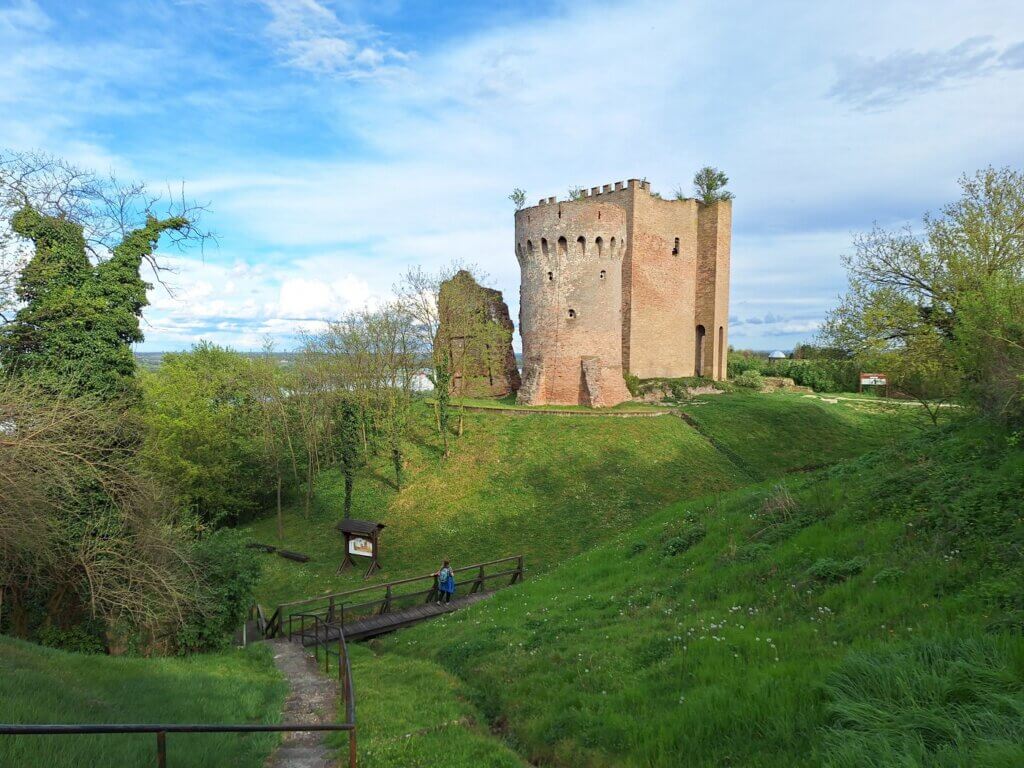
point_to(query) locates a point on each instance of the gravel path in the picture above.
(313, 698)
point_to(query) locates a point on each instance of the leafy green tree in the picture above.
(518, 198)
(204, 436)
(78, 321)
(709, 185)
(348, 446)
(908, 293)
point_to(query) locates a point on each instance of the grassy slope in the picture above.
(548, 486)
(42, 685)
(553, 486)
(867, 625)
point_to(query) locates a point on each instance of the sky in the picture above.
(340, 142)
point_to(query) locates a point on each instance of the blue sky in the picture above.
(340, 142)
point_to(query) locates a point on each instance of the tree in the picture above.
(204, 438)
(575, 193)
(348, 446)
(709, 185)
(518, 198)
(84, 530)
(908, 293)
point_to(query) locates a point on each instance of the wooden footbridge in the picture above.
(366, 612)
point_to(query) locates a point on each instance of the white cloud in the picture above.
(311, 37)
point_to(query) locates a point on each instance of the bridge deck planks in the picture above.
(382, 623)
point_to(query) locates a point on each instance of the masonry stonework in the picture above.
(620, 280)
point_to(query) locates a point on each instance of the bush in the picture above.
(632, 383)
(832, 571)
(750, 379)
(228, 573)
(81, 638)
(676, 545)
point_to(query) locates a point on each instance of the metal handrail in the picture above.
(162, 729)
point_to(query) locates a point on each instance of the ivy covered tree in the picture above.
(78, 321)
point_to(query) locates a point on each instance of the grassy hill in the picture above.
(865, 615)
(553, 486)
(43, 685)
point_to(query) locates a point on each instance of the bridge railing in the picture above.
(339, 608)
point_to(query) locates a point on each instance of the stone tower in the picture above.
(616, 281)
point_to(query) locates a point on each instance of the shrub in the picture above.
(81, 638)
(749, 380)
(829, 570)
(678, 544)
(228, 573)
(632, 383)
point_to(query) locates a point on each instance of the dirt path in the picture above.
(313, 698)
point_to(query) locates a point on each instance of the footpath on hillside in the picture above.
(312, 699)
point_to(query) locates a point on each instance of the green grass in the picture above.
(412, 714)
(509, 403)
(873, 620)
(43, 685)
(772, 434)
(544, 485)
(552, 487)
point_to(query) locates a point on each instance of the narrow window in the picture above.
(602, 274)
(600, 244)
(675, 249)
(551, 276)
(612, 250)
(582, 243)
(572, 313)
(544, 245)
(698, 352)
(519, 251)
(563, 246)
(598, 215)
(529, 248)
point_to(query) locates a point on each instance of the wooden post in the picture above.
(352, 748)
(479, 581)
(161, 749)
(330, 612)
(387, 601)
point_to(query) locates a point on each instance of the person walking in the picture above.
(445, 583)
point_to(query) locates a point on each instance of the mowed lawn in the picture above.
(44, 685)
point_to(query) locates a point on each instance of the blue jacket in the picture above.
(446, 580)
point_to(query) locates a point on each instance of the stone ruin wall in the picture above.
(668, 302)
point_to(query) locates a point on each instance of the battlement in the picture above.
(617, 186)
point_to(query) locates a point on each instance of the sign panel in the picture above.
(873, 380)
(357, 545)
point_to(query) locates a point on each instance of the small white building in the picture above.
(777, 355)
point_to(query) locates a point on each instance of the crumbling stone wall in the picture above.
(618, 281)
(476, 327)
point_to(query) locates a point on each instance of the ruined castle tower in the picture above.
(616, 281)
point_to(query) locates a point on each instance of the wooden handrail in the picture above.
(395, 583)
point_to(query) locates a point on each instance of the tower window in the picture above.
(544, 245)
(563, 246)
(599, 242)
(551, 276)
(602, 274)
(675, 248)
(582, 242)
(572, 313)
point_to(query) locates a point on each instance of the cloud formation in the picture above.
(872, 83)
(311, 37)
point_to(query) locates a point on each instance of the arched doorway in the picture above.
(698, 352)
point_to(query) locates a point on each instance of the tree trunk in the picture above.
(348, 493)
(280, 515)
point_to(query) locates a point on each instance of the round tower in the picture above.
(570, 308)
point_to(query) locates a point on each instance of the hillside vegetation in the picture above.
(553, 486)
(865, 615)
(44, 685)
